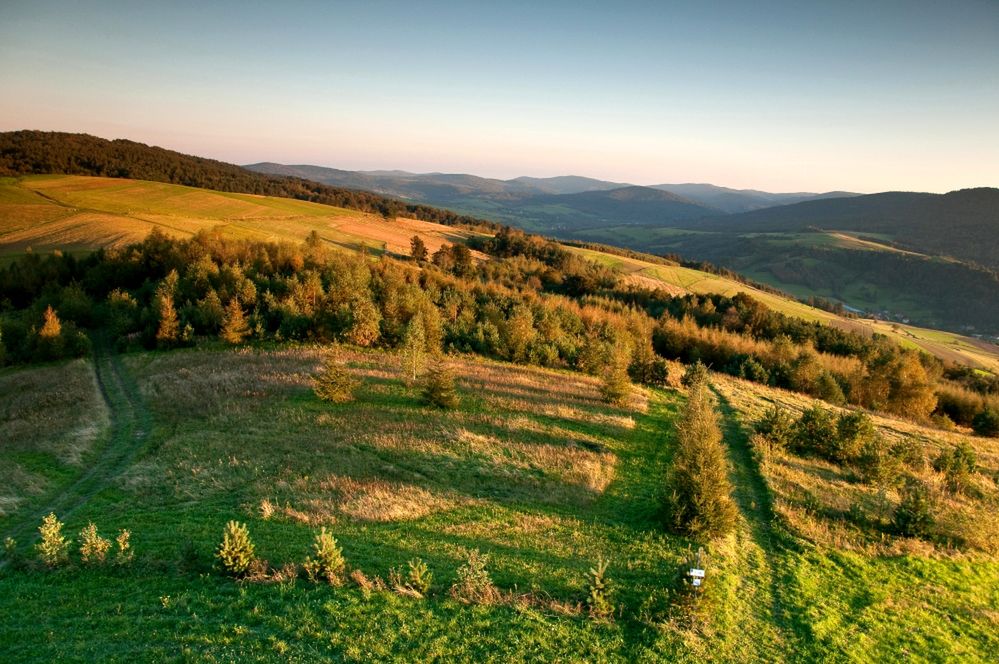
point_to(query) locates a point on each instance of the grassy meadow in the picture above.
(533, 469)
(48, 212)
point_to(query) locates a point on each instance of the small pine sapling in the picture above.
(334, 383)
(329, 564)
(54, 547)
(236, 551)
(599, 595)
(93, 548)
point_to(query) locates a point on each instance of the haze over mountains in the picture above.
(931, 258)
(527, 192)
(927, 258)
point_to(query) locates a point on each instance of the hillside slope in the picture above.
(76, 213)
(545, 482)
(84, 213)
(961, 224)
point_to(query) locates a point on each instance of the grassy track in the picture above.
(126, 439)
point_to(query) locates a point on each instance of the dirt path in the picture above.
(763, 550)
(126, 439)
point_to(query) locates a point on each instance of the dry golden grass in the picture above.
(386, 457)
(49, 417)
(815, 497)
(79, 212)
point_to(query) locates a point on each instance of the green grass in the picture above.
(544, 481)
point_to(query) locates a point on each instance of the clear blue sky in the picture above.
(779, 95)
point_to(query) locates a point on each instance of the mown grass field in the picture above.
(532, 469)
(76, 213)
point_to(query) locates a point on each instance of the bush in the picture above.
(419, 578)
(474, 585)
(695, 373)
(914, 514)
(123, 543)
(815, 432)
(236, 551)
(841, 440)
(334, 383)
(854, 431)
(700, 502)
(11, 554)
(880, 464)
(329, 563)
(93, 548)
(616, 385)
(957, 464)
(54, 548)
(417, 581)
(986, 423)
(599, 596)
(776, 426)
(439, 385)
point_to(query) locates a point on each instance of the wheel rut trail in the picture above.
(126, 439)
(763, 548)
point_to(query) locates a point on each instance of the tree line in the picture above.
(533, 302)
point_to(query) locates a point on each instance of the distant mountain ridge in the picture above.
(445, 189)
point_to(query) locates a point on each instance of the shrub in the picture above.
(474, 585)
(93, 548)
(334, 383)
(700, 503)
(54, 548)
(236, 551)
(14, 558)
(329, 564)
(879, 464)
(439, 385)
(914, 514)
(123, 547)
(599, 595)
(957, 464)
(616, 385)
(418, 576)
(695, 373)
(854, 431)
(776, 426)
(986, 423)
(815, 432)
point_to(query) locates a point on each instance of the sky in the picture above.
(782, 95)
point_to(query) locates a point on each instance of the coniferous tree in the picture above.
(616, 386)
(699, 502)
(439, 385)
(418, 249)
(169, 327)
(334, 383)
(235, 329)
(50, 339)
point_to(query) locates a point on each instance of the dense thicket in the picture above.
(39, 152)
(534, 302)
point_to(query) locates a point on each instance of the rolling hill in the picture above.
(533, 468)
(80, 214)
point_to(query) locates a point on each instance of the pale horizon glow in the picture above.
(775, 95)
